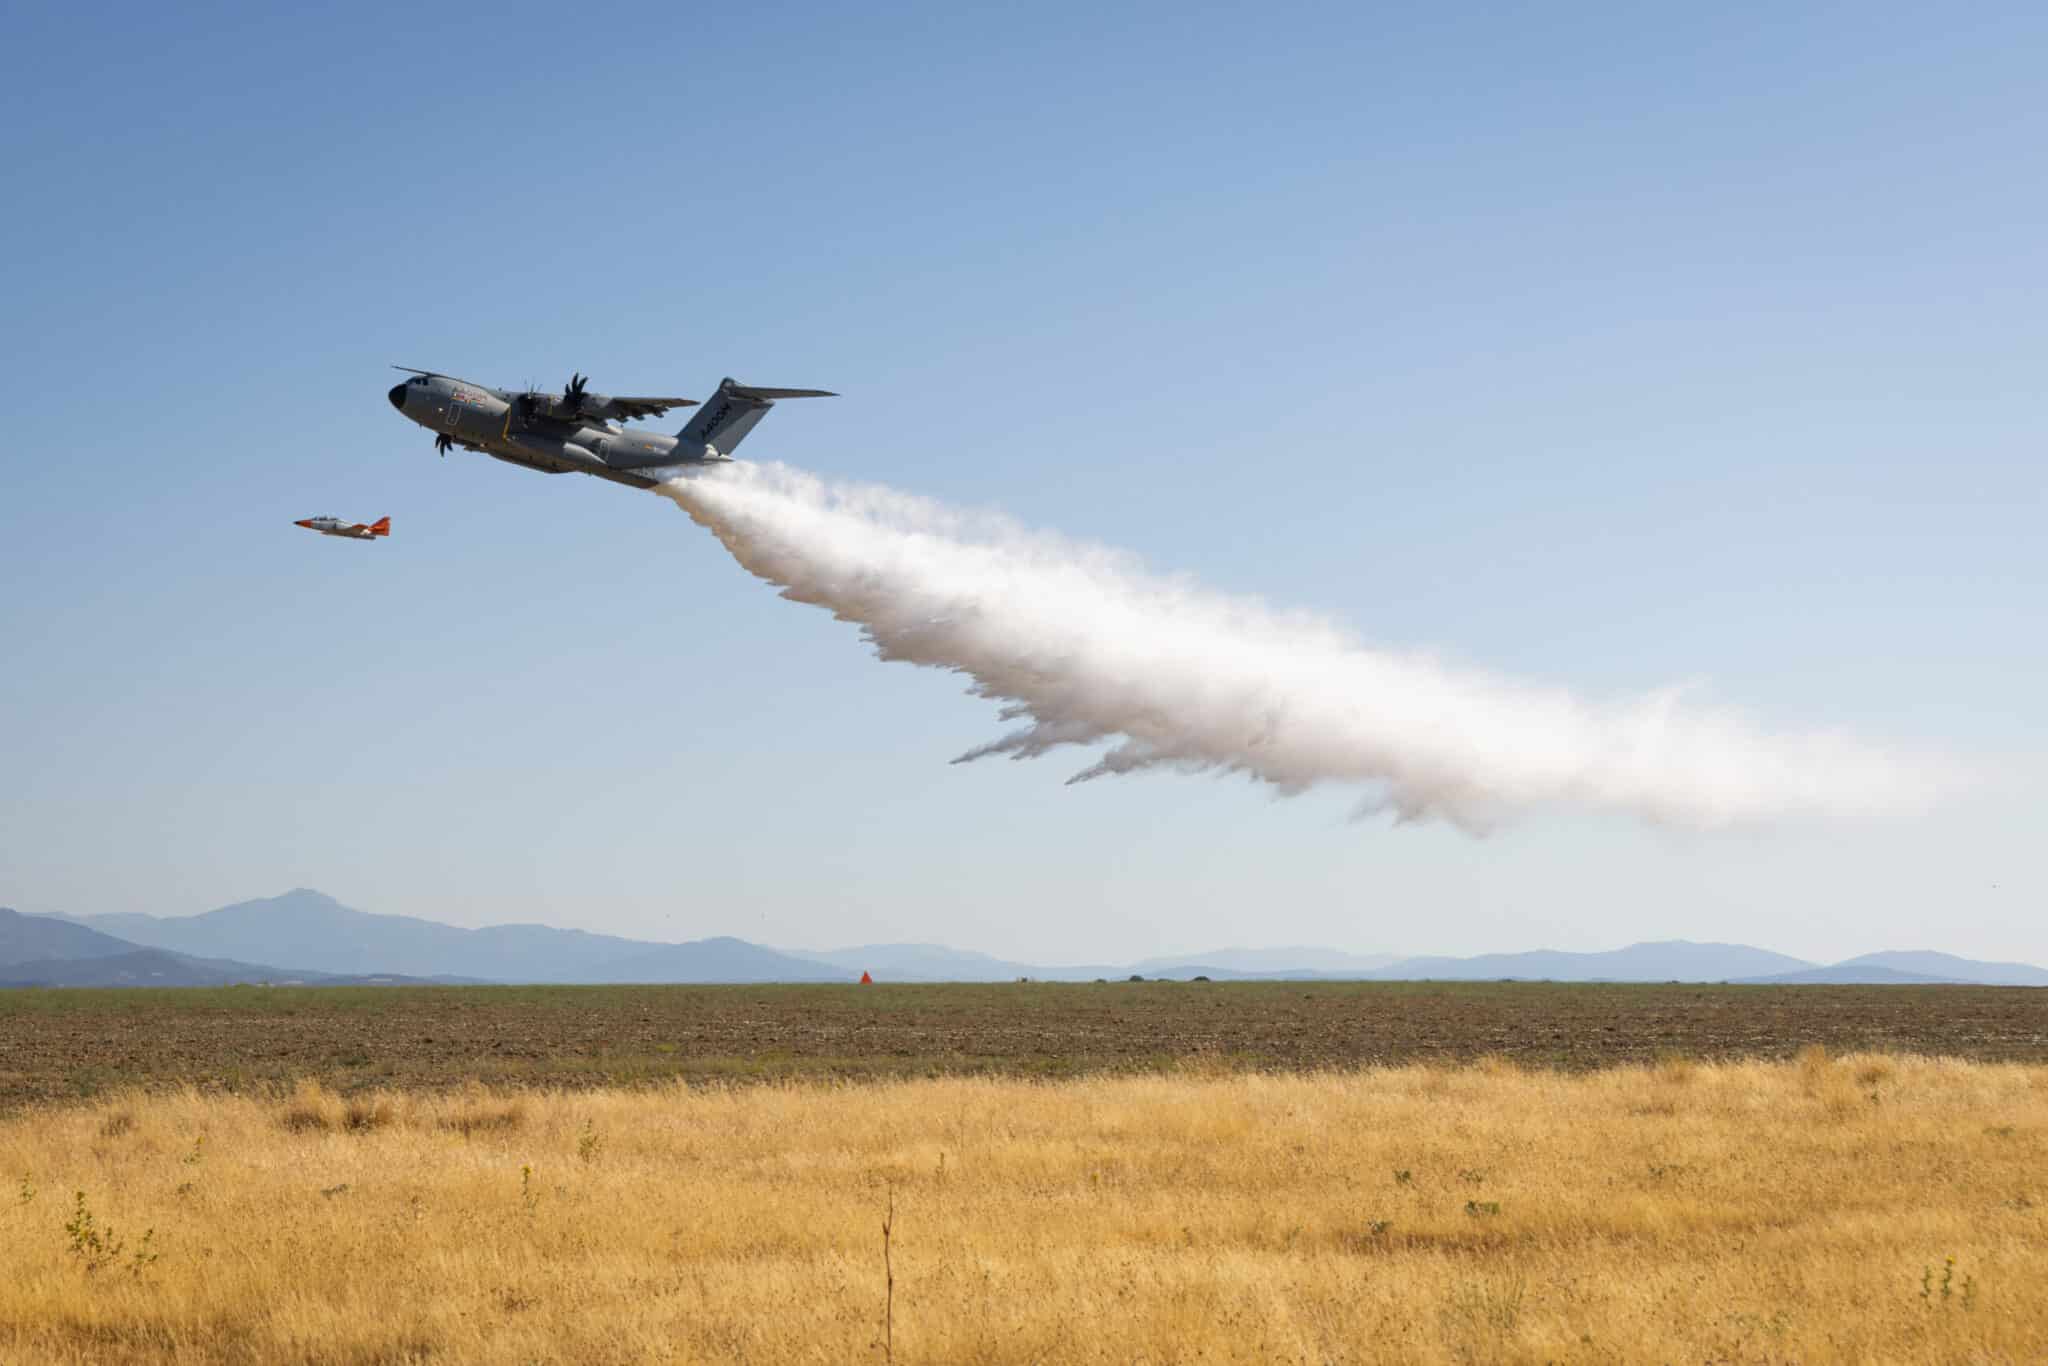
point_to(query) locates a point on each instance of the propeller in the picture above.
(572, 392)
(444, 443)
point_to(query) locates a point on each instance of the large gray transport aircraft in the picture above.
(578, 430)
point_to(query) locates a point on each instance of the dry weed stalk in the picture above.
(889, 1282)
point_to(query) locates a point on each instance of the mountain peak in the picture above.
(298, 901)
(298, 896)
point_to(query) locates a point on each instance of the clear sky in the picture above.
(1604, 346)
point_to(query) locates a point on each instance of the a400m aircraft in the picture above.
(577, 430)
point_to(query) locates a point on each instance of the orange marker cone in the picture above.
(866, 980)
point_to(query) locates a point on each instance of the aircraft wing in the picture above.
(632, 409)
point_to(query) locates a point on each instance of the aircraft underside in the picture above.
(544, 465)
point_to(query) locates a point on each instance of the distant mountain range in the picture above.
(310, 930)
(1333, 962)
(43, 951)
(1916, 966)
(26, 938)
(1658, 962)
(307, 936)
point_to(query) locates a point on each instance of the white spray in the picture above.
(1084, 646)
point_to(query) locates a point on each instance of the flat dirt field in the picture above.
(77, 1044)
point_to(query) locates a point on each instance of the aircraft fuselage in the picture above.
(481, 418)
(354, 531)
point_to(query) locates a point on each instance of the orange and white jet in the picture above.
(334, 526)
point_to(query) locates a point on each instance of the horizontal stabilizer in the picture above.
(754, 391)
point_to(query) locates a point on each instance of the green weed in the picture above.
(97, 1246)
(1944, 1290)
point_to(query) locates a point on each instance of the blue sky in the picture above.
(1594, 345)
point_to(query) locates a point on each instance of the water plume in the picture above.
(1083, 646)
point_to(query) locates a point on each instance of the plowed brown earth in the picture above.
(66, 1044)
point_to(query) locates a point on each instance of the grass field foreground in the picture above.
(1867, 1208)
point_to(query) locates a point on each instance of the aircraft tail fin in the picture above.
(726, 418)
(381, 527)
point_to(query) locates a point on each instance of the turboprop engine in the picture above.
(576, 404)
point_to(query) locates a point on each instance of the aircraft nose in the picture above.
(397, 397)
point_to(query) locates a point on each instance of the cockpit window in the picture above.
(417, 379)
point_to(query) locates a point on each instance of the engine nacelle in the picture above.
(557, 408)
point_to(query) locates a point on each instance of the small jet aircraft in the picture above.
(577, 430)
(334, 526)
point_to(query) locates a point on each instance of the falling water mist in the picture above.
(1082, 646)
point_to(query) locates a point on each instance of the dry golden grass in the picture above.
(1679, 1212)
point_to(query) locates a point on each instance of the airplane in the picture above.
(334, 526)
(579, 430)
